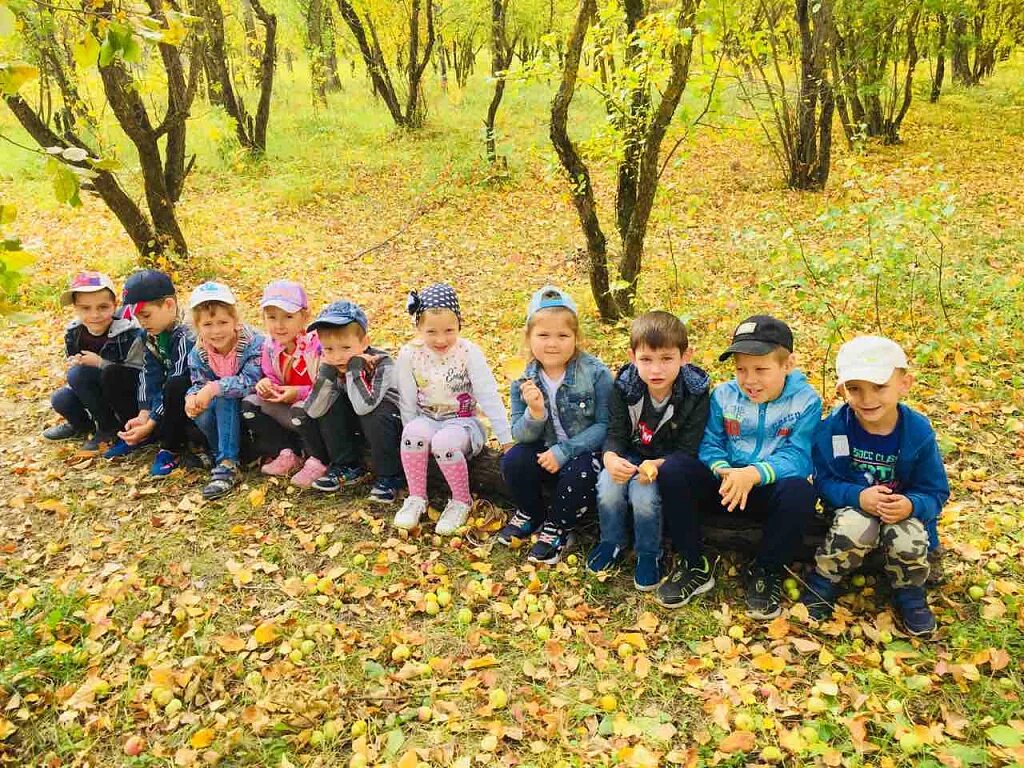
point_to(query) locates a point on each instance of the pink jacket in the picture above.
(307, 347)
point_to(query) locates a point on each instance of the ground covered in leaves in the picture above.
(140, 626)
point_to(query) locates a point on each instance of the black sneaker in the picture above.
(685, 583)
(97, 442)
(223, 478)
(551, 544)
(764, 593)
(520, 526)
(335, 477)
(912, 611)
(386, 489)
(65, 431)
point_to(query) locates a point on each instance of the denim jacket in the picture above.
(582, 401)
(249, 350)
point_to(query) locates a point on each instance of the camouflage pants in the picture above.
(854, 534)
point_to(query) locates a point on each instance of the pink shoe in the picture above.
(311, 470)
(285, 463)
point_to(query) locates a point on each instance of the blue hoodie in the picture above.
(774, 437)
(919, 470)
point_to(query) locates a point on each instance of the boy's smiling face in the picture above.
(875, 405)
(763, 377)
(95, 310)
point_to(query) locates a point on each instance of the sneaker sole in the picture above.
(907, 630)
(321, 489)
(570, 545)
(701, 590)
(764, 616)
(378, 500)
(650, 588)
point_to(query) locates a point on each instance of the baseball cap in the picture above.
(87, 282)
(869, 358)
(549, 297)
(210, 291)
(759, 335)
(286, 295)
(337, 314)
(147, 285)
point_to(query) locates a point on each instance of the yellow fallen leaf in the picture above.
(257, 496)
(229, 643)
(481, 662)
(409, 760)
(266, 633)
(738, 741)
(767, 662)
(202, 738)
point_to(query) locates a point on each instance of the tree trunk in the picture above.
(815, 106)
(501, 58)
(581, 190)
(940, 59)
(373, 59)
(961, 52)
(315, 46)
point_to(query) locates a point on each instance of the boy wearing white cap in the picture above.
(877, 463)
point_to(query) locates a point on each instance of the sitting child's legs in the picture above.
(646, 502)
(853, 535)
(415, 453)
(68, 404)
(270, 426)
(382, 428)
(86, 382)
(120, 386)
(785, 508)
(523, 477)
(905, 545)
(452, 445)
(688, 489)
(612, 509)
(575, 491)
(221, 423)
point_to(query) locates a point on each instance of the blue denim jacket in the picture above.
(582, 403)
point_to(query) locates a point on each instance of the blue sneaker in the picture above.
(912, 611)
(604, 556)
(819, 597)
(520, 526)
(120, 449)
(386, 489)
(552, 542)
(647, 575)
(164, 463)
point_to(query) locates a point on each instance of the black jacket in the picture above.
(682, 424)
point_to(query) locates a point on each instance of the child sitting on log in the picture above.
(755, 457)
(877, 463)
(559, 422)
(442, 381)
(659, 407)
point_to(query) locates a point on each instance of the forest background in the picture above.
(850, 167)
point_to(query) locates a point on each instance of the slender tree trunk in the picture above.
(815, 106)
(501, 58)
(940, 59)
(961, 52)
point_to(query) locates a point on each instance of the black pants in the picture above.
(689, 490)
(337, 437)
(267, 436)
(177, 429)
(574, 486)
(106, 397)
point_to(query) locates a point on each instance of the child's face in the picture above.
(439, 330)
(875, 405)
(157, 316)
(762, 377)
(95, 310)
(340, 346)
(659, 367)
(218, 328)
(552, 339)
(284, 327)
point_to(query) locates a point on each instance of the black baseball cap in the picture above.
(147, 285)
(759, 335)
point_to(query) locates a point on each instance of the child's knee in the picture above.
(906, 541)
(608, 491)
(518, 459)
(645, 500)
(79, 376)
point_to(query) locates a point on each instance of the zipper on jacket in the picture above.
(762, 410)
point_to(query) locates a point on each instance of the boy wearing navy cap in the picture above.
(150, 297)
(354, 398)
(755, 458)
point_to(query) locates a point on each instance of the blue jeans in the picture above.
(222, 425)
(613, 503)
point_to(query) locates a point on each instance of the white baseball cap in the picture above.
(211, 292)
(87, 282)
(869, 358)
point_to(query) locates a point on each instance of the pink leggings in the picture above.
(451, 441)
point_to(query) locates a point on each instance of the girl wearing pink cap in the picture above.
(290, 360)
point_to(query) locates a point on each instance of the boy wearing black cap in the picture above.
(354, 397)
(755, 457)
(150, 296)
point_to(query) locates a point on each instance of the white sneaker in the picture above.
(453, 518)
(412, 510)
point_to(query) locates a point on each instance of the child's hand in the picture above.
(548, 461)
(870, 498)
(193, 406)
(533, 398)
(90, 358)
(736, 486)
(647, 472)
(285, 395)
(138, 429)
(895, 508)
(619, 468)
(265, 388)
